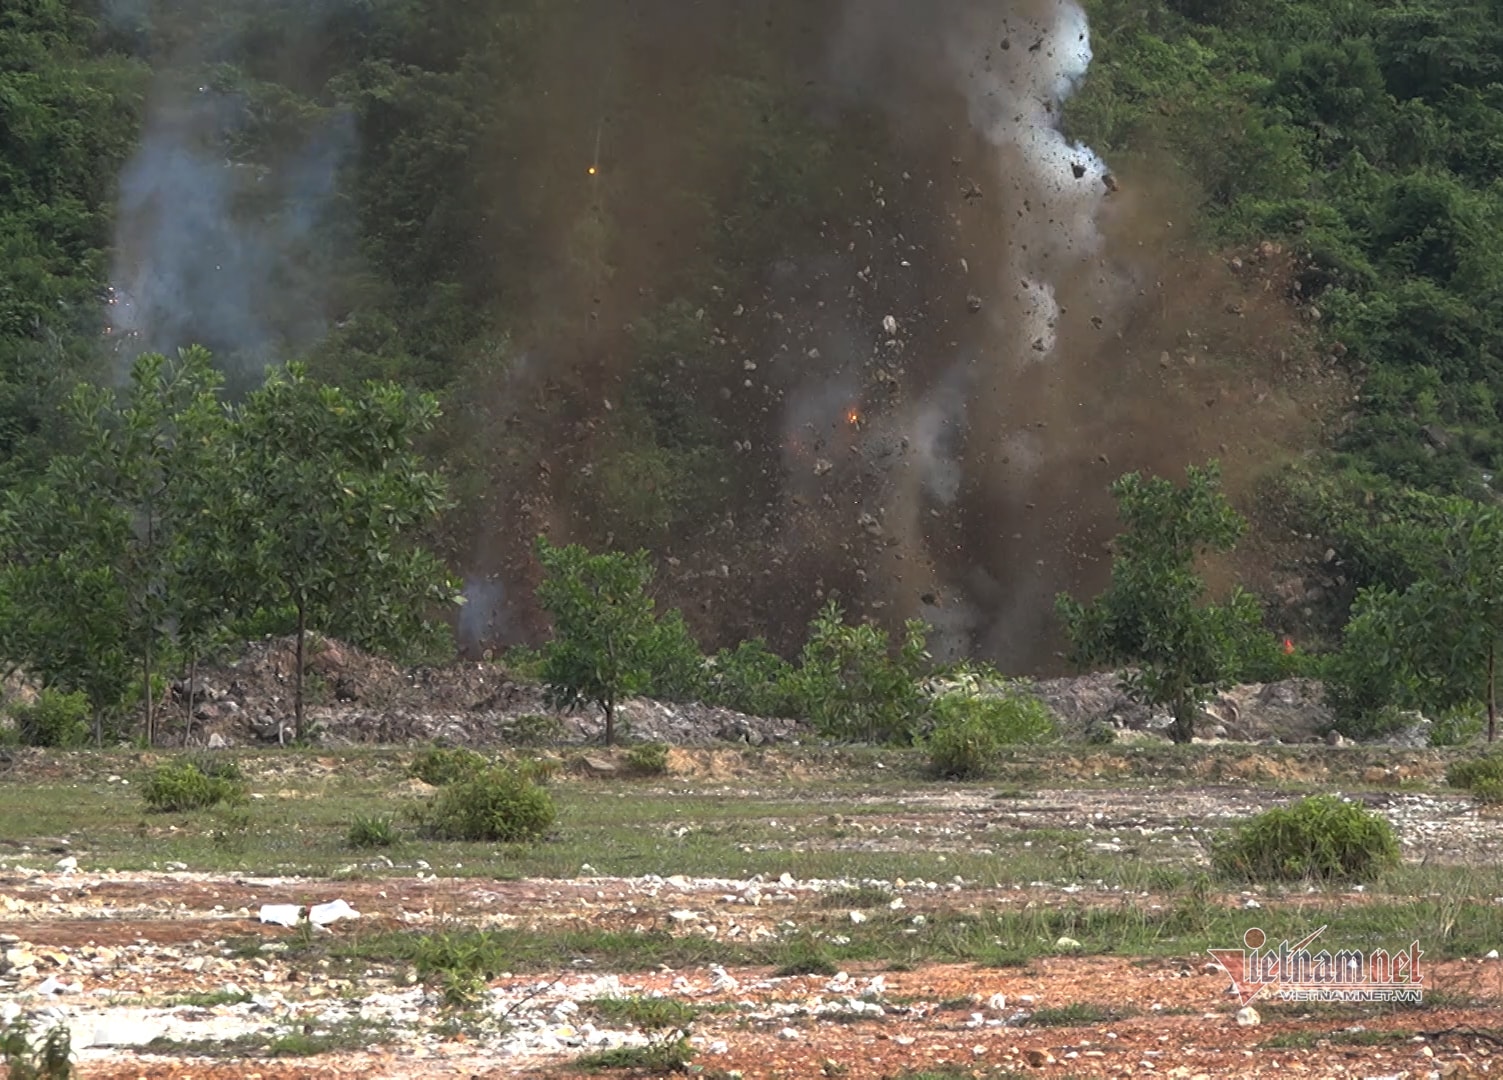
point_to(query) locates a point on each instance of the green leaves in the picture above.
(1436, 641)
(850, 686)
(179, 515)
(1153, 616)
(604, 628)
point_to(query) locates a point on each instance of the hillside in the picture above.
(864, 299)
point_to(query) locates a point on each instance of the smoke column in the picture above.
(222, 232)
(1029, 230)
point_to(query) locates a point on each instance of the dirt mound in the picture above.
(1291, 711)
(352, 697)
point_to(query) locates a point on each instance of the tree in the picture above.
(65, 610)
(1153, 615)
(603, 627)
(152, 458)
(1436, 642)
(330, 493)
(851, 684)
(103, 532)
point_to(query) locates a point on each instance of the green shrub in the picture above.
(218, 768)
(1488, 791)
(440, 765)
(55, 720)
(496, 804)
(652, 1013)
(1101, 734)
(850, 685)
(1457, 727)
(752, 679)
(523, 664)
(971, 730)
(1320, 838)
(648, 759)
(1467, 774)
(675, 665)
(52, 1060)
(183, 785)
(1482, 776)
(371, 832)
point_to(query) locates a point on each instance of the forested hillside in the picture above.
(808, 300)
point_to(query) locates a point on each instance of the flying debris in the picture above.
(1110, 181)
(1078, 169)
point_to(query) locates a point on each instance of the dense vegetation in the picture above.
(1365, 134)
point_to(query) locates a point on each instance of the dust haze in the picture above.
(921, 399)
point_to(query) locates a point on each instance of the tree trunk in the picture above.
(1183, 728)
(188, 711)
(610, 722)
(297, 681)
(98, 728)
(1492, 693)
(151, 718)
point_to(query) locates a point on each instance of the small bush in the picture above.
(1320, 838)
(752, 679)
(497, 804)
(675, 666)
(648, 759)
(850, 685)
(371, 832)
(664, 1019)
(661, 1055)
(184, 786)
(652, 1013)
(1488, 791)
(1457, 727)
(218, 768)
(1467, 774)
(1482, 776)
(972, 729)
(440, 765)
(53, 1060)
(1101, 734)
(55, 719)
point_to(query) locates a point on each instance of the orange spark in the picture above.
(593, 170)
(852, 417)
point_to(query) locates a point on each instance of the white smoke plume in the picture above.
(1007, 67)
(221, 232)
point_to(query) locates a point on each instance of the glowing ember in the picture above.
(852, 416)
(593, 170)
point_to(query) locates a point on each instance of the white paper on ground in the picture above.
(333, 911)
(280, 914)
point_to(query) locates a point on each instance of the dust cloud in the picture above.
(921, 398)
(929, 399)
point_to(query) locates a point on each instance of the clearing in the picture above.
(796, 911)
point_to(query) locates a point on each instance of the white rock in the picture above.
(858, 917)
(1247, 1016)
(890, 324)
(1492, 955)
(1067, 943)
